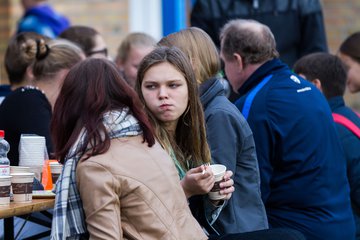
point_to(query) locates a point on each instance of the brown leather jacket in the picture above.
(133, 192)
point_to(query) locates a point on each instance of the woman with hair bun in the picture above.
(17, 64)
(28, 109)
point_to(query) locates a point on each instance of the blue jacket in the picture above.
(303, 169)
(232, 144)
(44, 20)
(351, 145)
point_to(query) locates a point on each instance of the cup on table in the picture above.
(37, 170)
(219, 172)
(22, 185)
(19, 169)
(5, 183)
(32, 150)
(56, 169)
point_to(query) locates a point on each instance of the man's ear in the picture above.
(239, 61)
(317, 83)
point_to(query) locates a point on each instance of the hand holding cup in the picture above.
(197, 181)
(227, 185)
(219, 173)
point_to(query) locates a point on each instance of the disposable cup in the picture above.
(32, 150)
(56, 169)
(5, 183)
(22, 184)
(37, 170)
(219, 172)
(19, 169)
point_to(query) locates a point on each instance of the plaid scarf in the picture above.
(68, 217)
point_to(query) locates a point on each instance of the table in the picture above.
(18, 209)
(36, 205)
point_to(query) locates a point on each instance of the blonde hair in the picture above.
(199, 48)
(136, 39)
(52, 57)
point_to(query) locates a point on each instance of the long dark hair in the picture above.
(90, 89)
(190, 144)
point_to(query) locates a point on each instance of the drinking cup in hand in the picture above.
(219, 172)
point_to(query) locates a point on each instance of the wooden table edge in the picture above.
(36, 205)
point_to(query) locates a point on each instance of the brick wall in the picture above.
(109, 17)
(341, 19)
(4, 33)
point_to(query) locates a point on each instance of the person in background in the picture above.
(232, 144)
(28, 110)
(328, 74)
(112, 185)
(130, 53)
(297, 144)
(349, 53)
(89, 39)
(303, 33)
(17, 64)
(41, 18)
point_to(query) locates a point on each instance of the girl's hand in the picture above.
(197, 181)
(227, 186)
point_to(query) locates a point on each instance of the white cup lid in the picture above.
(5, 177)
(22, 174)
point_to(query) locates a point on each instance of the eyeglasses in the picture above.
(101, 51)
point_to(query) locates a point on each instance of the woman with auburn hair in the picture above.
(232, 144)
(114, 169)
(167, 87)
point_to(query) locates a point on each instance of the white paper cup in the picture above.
(56, 169)
(22, 184)
(19, 169)
(219, 172)
(32, 150)
(37, 170)
(5, 184)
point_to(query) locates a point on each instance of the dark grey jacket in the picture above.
(297, 25)
(231, 143)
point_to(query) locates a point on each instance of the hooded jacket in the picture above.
(231, 143)
(44, 20)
